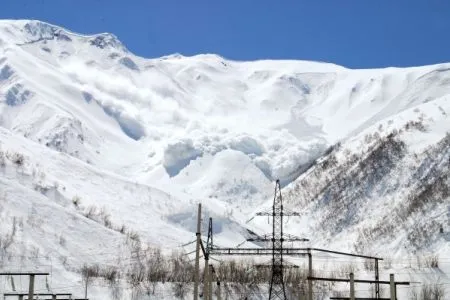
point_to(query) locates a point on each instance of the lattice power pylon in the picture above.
(277, 288)
(277, 251)
(276, 238)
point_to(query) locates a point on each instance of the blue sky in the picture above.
(356, 34)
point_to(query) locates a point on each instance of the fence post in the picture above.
(310, 274)
(352, 286)
(31, 287)
(392, 285)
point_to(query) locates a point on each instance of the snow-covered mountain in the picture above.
(98, 145)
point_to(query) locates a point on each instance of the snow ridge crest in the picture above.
(30, 31)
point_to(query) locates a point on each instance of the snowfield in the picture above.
(101, 149)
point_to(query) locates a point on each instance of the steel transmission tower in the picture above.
(277, 288)
(277, 251)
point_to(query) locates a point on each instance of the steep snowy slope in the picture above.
(182, 106)
(114, 139)
(385, 188)
(385, 191)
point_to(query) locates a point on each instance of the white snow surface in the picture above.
(146, 140)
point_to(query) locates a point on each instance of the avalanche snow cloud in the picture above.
(94, 133)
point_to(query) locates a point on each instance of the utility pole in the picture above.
(205, 250)
(197, 252)
(277, 288)
(210, 269)
(214, 276)
(206, 280)
(207, 271)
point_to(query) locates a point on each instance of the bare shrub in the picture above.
(106, 218)
(345, 270)
(432, 261)
(91, 213)
(158, 270)
(122, 229)
(17, 158)
(418, 125)
(7, 240)
(369, 265)
(340, 294)
(136, 275)
(116, 291)
(149, 267)
(62, 241)
(419, 262)
(111, 274)
(133, 236)
(423, 233)
(101, 216)
(180, 290)
(181, 268)
(387, 263)
(90, 271)
(434, 291)
(76, 201)
(2, 159)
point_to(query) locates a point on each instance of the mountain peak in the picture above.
(106, 40)
(28, 31)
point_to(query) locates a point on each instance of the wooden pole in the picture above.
(392, 286)
(310, 284)
(197, 253)
(219, 294)
(206, 280)
(86, 285)
(377, 278)
(210, 282)
(31, 287)
(352, 286)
